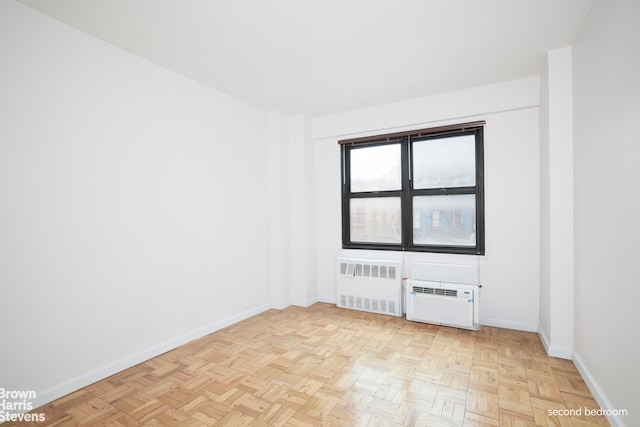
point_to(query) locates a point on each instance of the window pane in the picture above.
(375, 220)
(375, 168)
(444, 220)
(444, 162)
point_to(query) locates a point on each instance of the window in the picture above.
(419, 191)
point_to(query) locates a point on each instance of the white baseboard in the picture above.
(508, 324)
(281, 305)
(52, 393)
(597, 392)
(306, 302)
(554, 351)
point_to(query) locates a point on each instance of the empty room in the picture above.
(305, 213)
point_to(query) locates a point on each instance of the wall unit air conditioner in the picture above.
(369, 285)
(442, 301)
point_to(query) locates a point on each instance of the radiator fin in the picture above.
(369, 304)
(392, 307)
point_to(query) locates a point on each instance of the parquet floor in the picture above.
(327, 366)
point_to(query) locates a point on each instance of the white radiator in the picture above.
(370, 285)
(443, 301)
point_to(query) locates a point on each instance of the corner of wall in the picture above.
(554, 351)
(556, 205)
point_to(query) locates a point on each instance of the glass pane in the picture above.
(375, 168)
(444, 220)
(444, 162)
(375, 220)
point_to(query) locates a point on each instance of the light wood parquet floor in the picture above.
(334, 367)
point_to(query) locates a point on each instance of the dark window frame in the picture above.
(407, 192)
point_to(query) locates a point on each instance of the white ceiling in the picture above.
(323, 56)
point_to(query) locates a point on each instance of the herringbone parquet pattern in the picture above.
(327, 366)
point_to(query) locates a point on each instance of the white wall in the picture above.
(301, 256)
(556, 145)
(133, 211)
(606, 66)
(544, 325)
(279, 240)
(510, 270)
(292, 278)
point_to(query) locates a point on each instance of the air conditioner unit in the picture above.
(443, 303)
(369, 285)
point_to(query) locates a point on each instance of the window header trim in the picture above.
(394, 137)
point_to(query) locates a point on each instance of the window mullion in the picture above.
(480, 231)
(444, 191)
(346, 190)
(406, 201)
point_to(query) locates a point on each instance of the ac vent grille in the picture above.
(369, 304)
(368, 270)
(435, 291)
